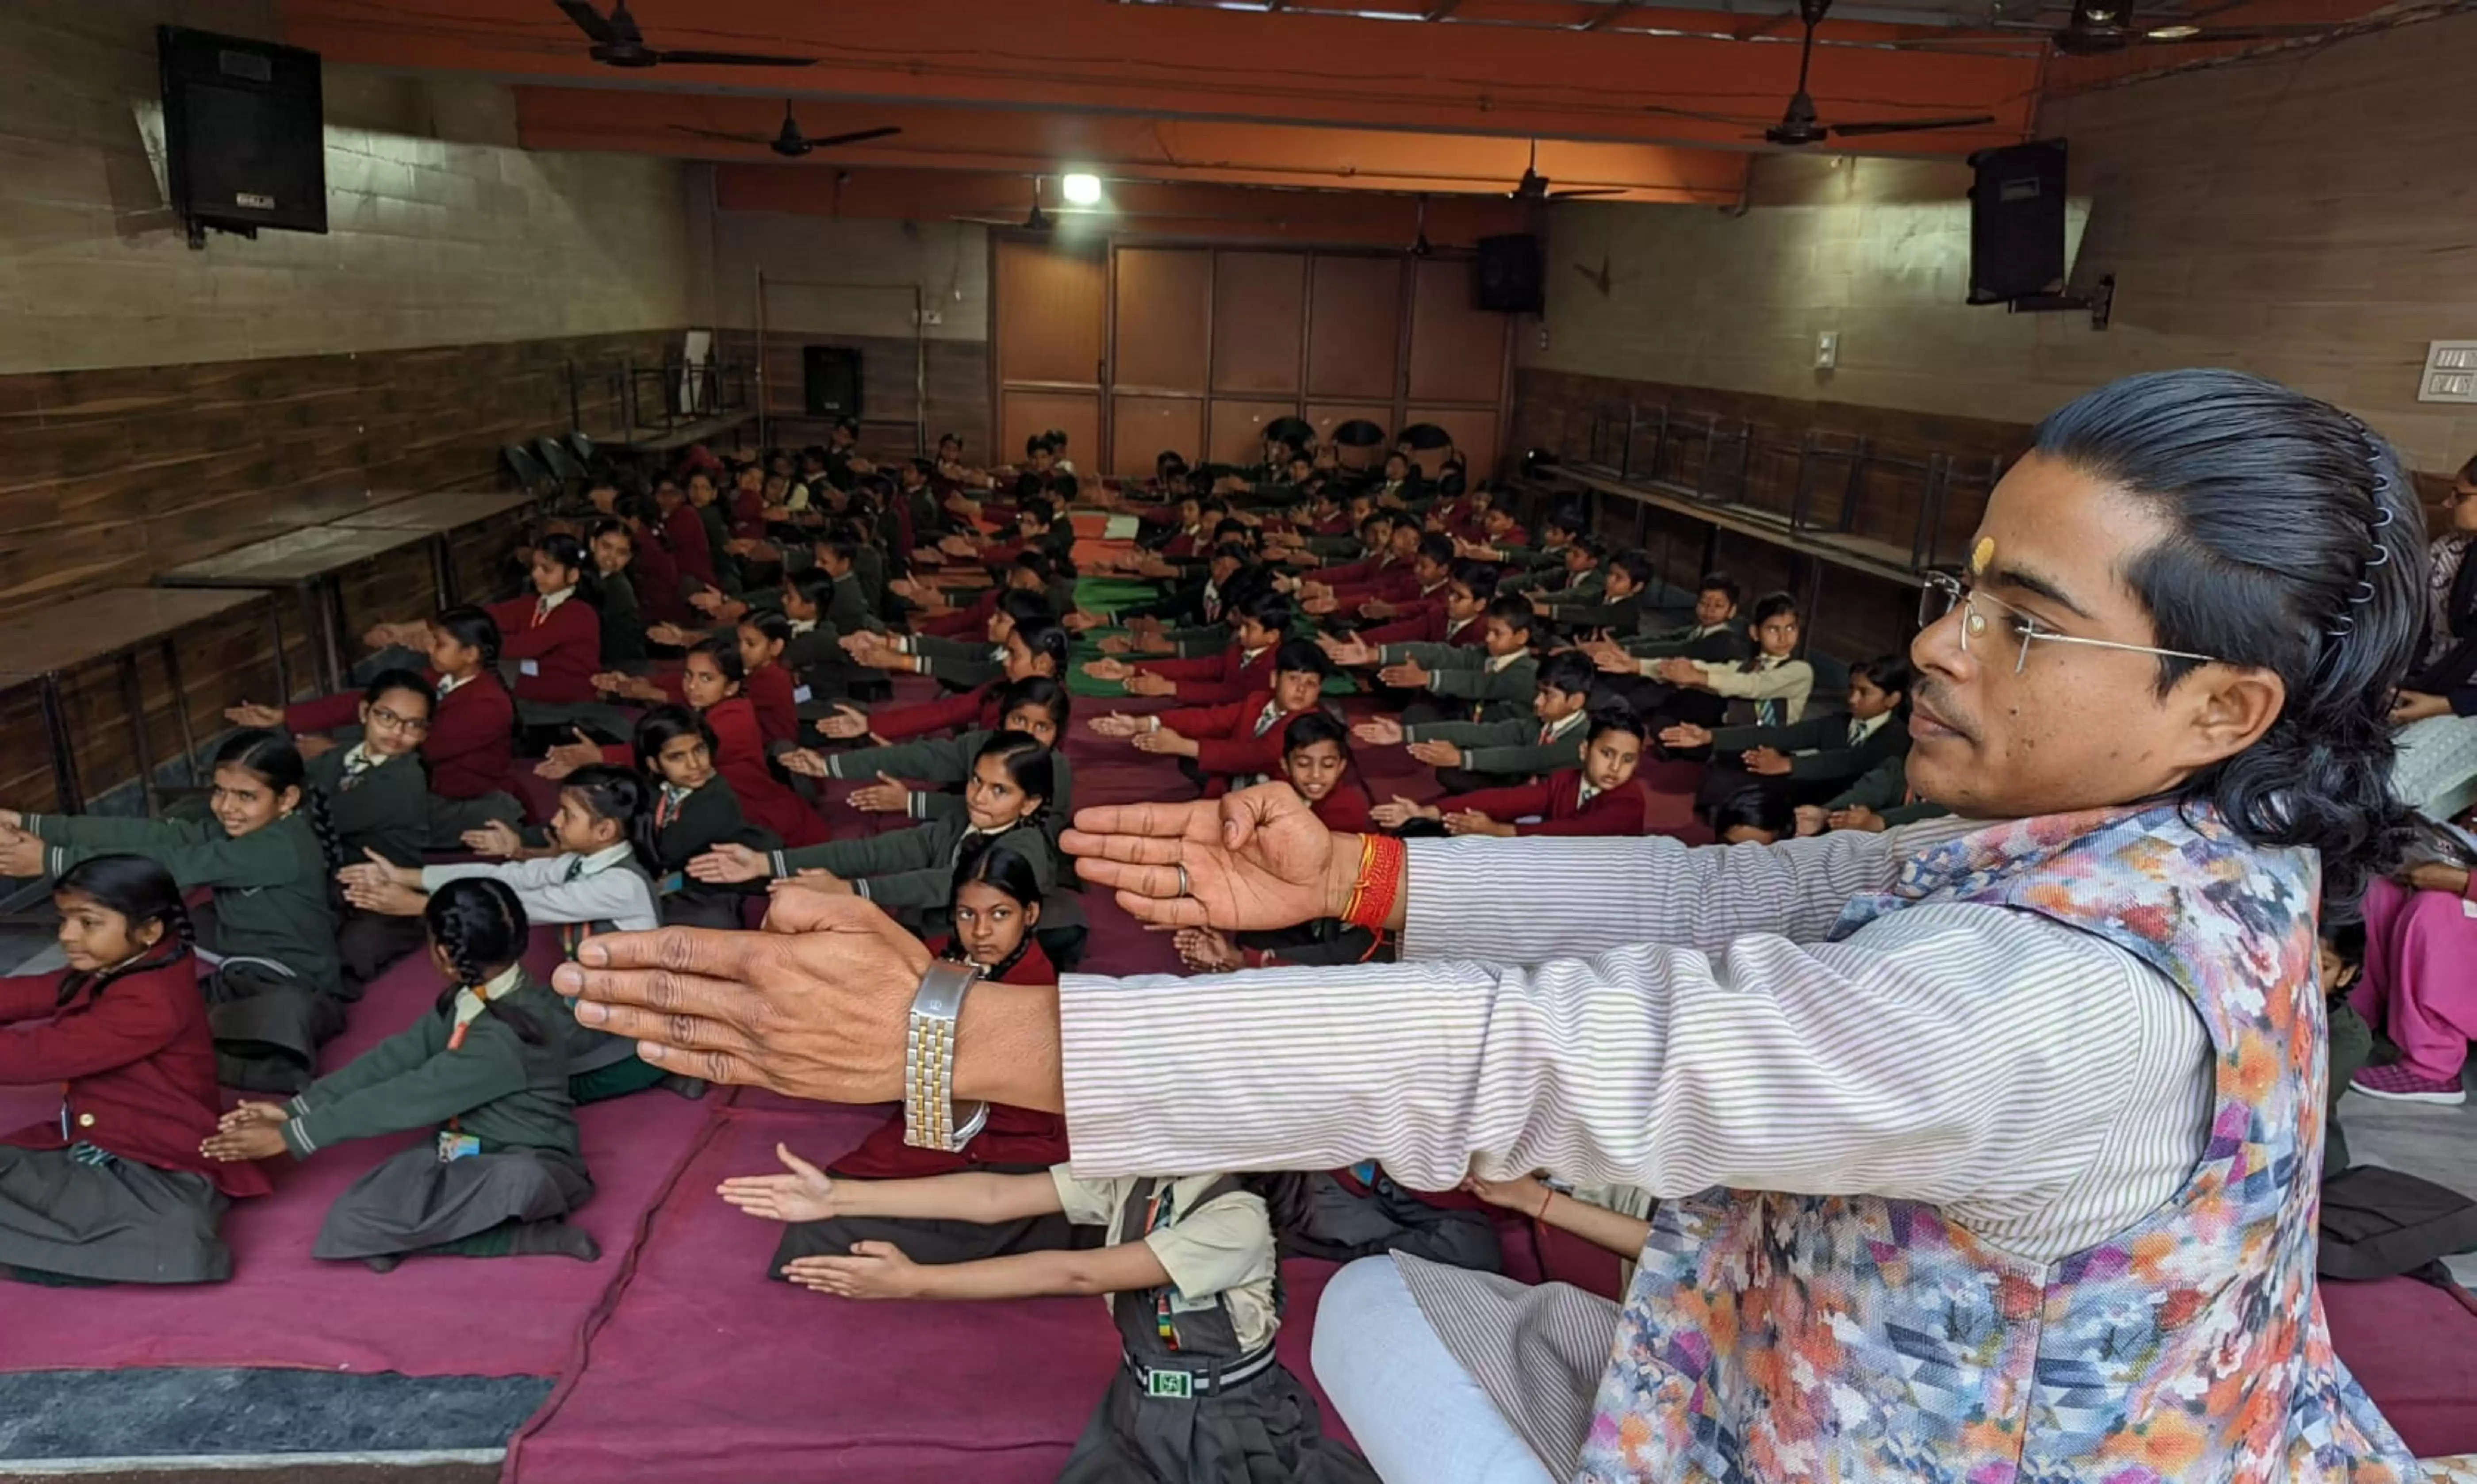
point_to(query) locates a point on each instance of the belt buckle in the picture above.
(1175, 1384)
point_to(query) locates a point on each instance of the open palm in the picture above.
(1257, 859)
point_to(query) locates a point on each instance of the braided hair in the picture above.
(269, 757)
(1028, 763)
(479, 926)
(569, 551)
(619, 796)
(474, 629)
(140, 890)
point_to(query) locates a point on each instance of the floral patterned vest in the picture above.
(1778, 1337)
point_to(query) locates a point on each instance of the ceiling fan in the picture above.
(1421, 246)
(1038, 221)
(791, 143)
(1799, 122)
(618, 44)
(1534, 185)
(2097, 28)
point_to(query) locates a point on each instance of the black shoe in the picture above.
(692, 1088)
(386, 1262)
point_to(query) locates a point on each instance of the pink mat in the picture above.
(2413, 1348)
(708, 1373)
(431, 1317)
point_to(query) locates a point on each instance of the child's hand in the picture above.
(1858, 817)
(1811, 820)
(847, 723)
(805, 761)
(1683, 672)
(1108, 669)
(248, 1141)
(1438, 755)
(568, 756)
(1144, 682)
(1471, 822)
(1399, 811)
(1117, 644)
(1349, 653)
(1161, 739)
(1408, 675)
(1524, 1194)
(1378, 731)
(1118, 724)
(1207, 950)
(497, 839)
(1685, 735)
(885, 795)
(729, 862)
(248, 715)
(1765, 761)
(875, 1270)
(248, 1113)
(805, 1195)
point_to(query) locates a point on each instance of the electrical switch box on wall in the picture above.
(1827, 350)
(2450, 372)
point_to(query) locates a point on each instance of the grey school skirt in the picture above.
(415, 1200)
(113, 1221)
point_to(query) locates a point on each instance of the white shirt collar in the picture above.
(1454, 625)
(1706, 631)
(1584, 792)
(450, 684)
(546, 601)
(801, 625)
(1271, 713)
(468, 1005)
(1860, 732)
(605, 859)
(1497, 663)
(360, 760)
(1565, 724)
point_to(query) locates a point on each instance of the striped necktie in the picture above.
(541, 611)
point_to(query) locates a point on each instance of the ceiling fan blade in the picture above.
(855, 138)
(1911, 125)
(589, 21)
(624, 25)
(732, 59)
(717, 133)
(1578, 194)
(2208, 34)
(1708, 119)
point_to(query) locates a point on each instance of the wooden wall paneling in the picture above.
(1024, 412)
(1163, 322)
(1355, 330)
(1474, 434)
(1052, 310)
(1457, 350)
(1238, 429)
(1142, 428)
(1259, 322)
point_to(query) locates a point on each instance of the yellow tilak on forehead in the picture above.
(1982, 557)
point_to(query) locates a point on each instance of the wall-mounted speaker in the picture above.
(2017, 222)
(1511, 275)
(830, 378)
(244, 132)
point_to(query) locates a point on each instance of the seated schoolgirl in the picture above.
(1031, 649)
(1190, 1266)
(1038, 708)
(114, 1190)
(910, 872)
(2419, 985)
(486, 1070)
(1316, 760)
(694, 811)
(1226, 747)
(587, 878)
(711, 679)
(268, 854)
(613, 547)
(468, 744)
(770, 689)
(997, 906)
(958, 663)
(1600, 798)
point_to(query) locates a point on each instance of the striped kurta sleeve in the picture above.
(1671, 1019)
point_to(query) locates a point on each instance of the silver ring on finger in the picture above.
(1184, 889)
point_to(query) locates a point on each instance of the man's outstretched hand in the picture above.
(1256, 860)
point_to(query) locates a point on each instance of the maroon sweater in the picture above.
(471, 746)
(1617, 812)
(555, 658)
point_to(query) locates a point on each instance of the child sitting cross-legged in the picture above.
(1600, 798)
(1188, 1265)
(486, 1069)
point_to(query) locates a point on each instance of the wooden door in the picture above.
(1052, 313)
(1162, 332)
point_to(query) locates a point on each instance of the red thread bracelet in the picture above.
(1381, 863)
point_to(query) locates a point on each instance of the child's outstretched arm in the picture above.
(808, 1194)
(879, 1269)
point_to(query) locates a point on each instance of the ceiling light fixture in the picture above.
(2172, 33)
(1082, 189)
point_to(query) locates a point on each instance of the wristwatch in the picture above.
(931, 1121)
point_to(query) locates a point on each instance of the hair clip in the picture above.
(2384, 524)
(2379, 557)
(2349, 618)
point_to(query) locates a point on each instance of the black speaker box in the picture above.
(2017, 222)
(244, 131)
(829, 376)
(1511, 275)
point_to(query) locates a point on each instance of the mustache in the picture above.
(1934, 697)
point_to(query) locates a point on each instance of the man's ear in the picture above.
(2228, 708)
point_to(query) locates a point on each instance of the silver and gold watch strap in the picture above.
(930, 1117)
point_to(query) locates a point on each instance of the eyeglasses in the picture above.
(1944, 592)
(383, 717)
